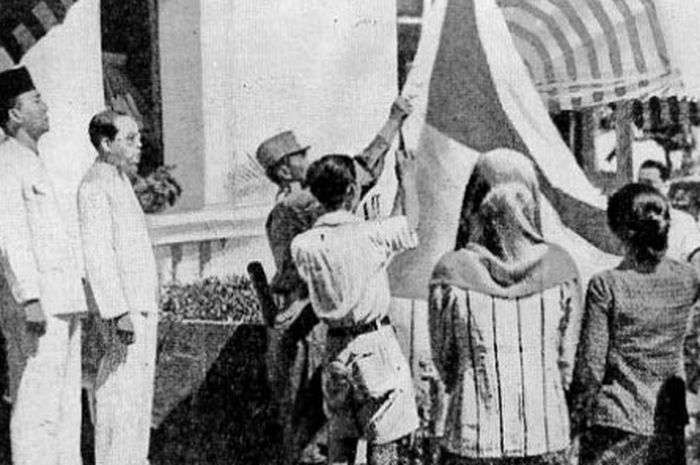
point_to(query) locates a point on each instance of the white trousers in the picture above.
(124, 394)
(46, 410)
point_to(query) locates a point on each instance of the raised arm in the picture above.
(406, 200)
(370, 163)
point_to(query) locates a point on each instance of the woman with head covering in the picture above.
(504, 318)
(496, 167)
(628, 389)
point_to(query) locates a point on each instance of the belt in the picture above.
(351, 331)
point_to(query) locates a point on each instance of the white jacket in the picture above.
(118, 254)
(36, 254)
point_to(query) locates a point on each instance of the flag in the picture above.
(475, 96)
(590, 52)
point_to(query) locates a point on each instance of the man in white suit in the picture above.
(41, 293)
(121, 271)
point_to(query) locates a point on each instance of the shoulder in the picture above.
(681, 270)
(92, 185)
(306, 242)
(560, 254)
(560, 265)
(300, 205)
(10, 165)
(600, 283)
(456, 267)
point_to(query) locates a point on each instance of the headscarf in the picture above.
(493, 168)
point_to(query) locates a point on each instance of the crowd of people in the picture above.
(535, 370)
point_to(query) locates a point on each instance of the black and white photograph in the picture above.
(349, 232)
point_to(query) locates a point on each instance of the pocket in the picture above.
(35, 189)
(373, 374)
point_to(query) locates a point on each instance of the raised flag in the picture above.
(475, 96)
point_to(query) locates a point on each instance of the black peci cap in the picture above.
(14, 82)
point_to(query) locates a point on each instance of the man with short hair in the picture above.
(683, 235)
(41, 292)
(367, 385)
(297, 343)
(121, 271)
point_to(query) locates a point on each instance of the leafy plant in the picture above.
(157, 190)
(229, 299)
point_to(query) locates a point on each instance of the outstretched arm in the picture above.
(370, 163)
(406, 200)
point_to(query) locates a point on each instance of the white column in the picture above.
(219, 21)
(179, 31)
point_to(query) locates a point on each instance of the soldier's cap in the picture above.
(274, 149)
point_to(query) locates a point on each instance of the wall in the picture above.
(181, 88)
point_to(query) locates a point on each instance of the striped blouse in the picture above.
(506, 363)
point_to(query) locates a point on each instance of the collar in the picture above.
(23, 149)
(114, 162)
(337, 218)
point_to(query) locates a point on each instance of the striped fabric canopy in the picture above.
(588, 52)
(24, 22)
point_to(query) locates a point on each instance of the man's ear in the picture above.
(105, 145)
(14, 115)
(284, 173)
(351, 191)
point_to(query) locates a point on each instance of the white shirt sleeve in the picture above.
(393, 235)
(16, 249)
(100, 258)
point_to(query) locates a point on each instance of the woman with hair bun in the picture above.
(628, 391)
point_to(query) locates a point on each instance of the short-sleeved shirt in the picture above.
(344, 259)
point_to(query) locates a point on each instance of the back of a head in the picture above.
(638, 214)
(102, 126)
(657, 165)
(329, 178)
(507, 214)
(491, 169)
(506, 165)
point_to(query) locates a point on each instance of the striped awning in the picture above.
(24, 22)
(589, 52)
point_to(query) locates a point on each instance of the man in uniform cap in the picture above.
(297, 341)
(41, 293)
